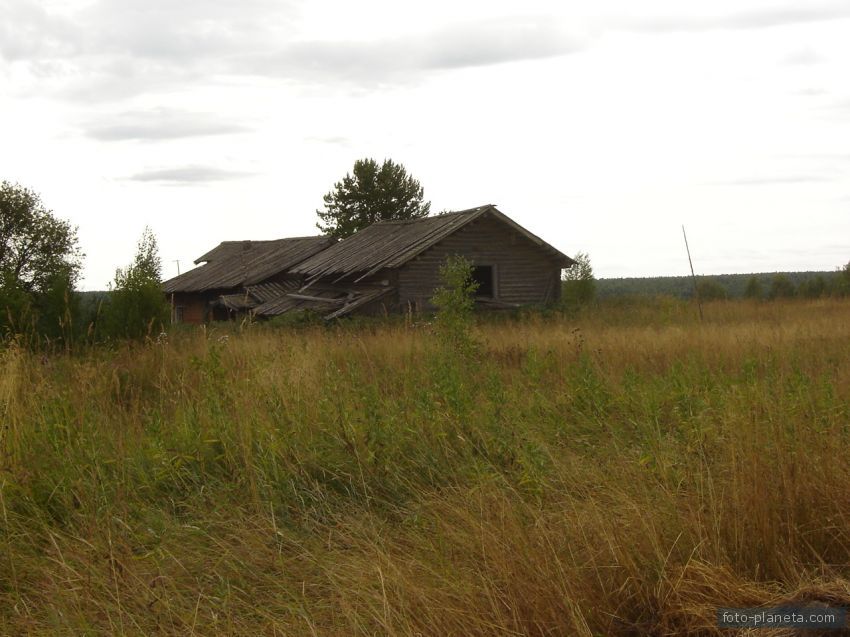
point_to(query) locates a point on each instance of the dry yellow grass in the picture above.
(622, 472)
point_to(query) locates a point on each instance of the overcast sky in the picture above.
(599, 127)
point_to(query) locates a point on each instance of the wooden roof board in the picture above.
(277, 306)
(237, 302)
(237, 263)
(420, 245)
(210, 276)
(334, 300)
(359, 301)
(290, 298)
(377, 245)
(229, 249)
(283, 257)
(265, 292)
(391, 244)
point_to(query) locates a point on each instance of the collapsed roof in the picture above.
(235, 264)
(274, 299)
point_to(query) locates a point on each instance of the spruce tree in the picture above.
(370, 193)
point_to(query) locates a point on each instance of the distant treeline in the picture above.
(729, 285)
(762, 284)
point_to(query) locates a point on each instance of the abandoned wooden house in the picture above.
(389, 266)
(216, 289)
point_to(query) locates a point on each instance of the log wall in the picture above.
(526, 274)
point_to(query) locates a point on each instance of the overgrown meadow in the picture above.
(621, 471)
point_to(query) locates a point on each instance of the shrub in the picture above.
(455, 302)
(711, 290)
(781, 287)
(754, 289)
(579, 286)
(844, 283)
(296, 318)
(137, 306)
(813, 288)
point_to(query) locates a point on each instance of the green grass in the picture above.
(621, 472)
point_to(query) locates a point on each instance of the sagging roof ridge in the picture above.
(448, 213)
(377, 247)
(233, 267)
(203, 258)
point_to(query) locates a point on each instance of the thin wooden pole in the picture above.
(693, 276)
(173, 317)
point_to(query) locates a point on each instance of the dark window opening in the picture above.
(178, 314)
(484, 276)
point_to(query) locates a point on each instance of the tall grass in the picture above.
(622, 472)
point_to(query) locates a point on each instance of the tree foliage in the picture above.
(579, 285)
(781, 287)
(813, 288)
(39, 265)
(737, 285)
(754, 288)
(371, 193)
(844, 283)
(35, 246)
(711, 290)
(137, 306)
(455, 302)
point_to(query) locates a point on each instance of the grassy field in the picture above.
(624, 471)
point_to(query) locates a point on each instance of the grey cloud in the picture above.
(773, 181)
(803, 57)
(761, 19)
(116, 50)
(159, 124)
(836, 247)
(402, 59)
(810, 92)
(149, 29)
(495, 43)
(188, 175)
(337, 140)
(836, 109)
(830, 157)
(110, 49)
(107, 80)
(28, 31)
(779, 17)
